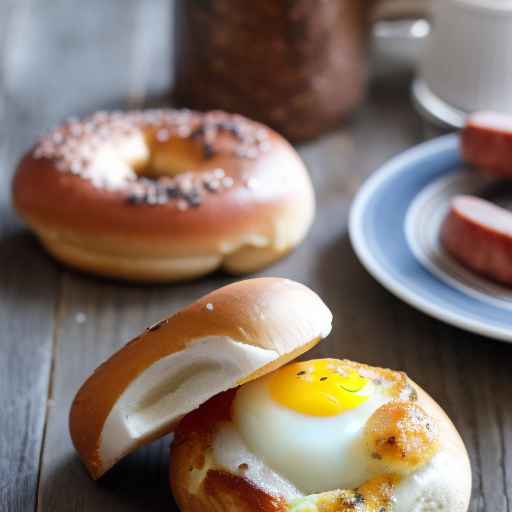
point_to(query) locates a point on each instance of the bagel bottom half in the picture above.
(238, 480)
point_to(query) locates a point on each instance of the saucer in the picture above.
(394, 230)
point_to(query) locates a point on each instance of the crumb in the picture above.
(209, 306)
(80, 318)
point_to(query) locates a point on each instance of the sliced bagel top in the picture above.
(230, 336)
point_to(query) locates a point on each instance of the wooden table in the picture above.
(61, 58)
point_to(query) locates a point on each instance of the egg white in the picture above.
(315, 454)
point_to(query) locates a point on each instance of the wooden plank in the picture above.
(469, 376)
(128, 42)
(29, 283)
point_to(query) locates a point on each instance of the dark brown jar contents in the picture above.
(296, 65)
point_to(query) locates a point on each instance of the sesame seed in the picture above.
(163, 135)
(181, 205)
(227, 181)
(212, 185)
(74, 147)
(183, 131)
(76, 167)
(76, 130)
(57, 137)
(157, 326)
(261, 134)
(251, 153)
(252, 183)
(264, 146)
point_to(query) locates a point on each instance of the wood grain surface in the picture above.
(29, 287)
(63, 58)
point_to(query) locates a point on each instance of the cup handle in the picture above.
(401, 19)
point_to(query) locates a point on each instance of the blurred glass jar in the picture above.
(299, 66)
(296, 65)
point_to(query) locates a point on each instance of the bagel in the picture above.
(229, 336)
(164, 195)
(417, 462)
(253, 433)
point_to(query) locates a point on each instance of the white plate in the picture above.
(394, 229)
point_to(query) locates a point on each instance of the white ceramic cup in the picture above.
(466, 60)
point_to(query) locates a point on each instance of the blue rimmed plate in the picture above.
(394, 229)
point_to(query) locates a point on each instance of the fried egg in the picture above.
(306, 421)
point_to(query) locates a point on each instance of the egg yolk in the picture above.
(322, 387)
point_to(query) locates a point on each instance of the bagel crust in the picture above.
(196, 484)
(202, 481)
(162, 195)
(230, 336)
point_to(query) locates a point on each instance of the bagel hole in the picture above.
(171, 157)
